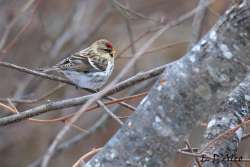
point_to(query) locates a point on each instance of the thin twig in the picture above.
(36, 73)
(77, 127)
(109, 112)
(13, 109)
(191, 150)
(8, 108)
(81, 160)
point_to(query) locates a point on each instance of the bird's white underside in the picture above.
(92, 80)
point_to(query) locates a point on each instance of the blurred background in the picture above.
(39, 33)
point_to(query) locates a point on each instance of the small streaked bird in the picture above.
(89, 68)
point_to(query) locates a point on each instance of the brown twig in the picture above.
(191, 150)
(66, 117)
(109, 112)
(14, 110)
(81, 160)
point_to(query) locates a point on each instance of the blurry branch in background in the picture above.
(130, 34)
(21, 13)
(34, 100)
(164, 47)
(197, 24)
(131, 14)
(144, 34)
(72, 29)
(213, 12)
(75, 29)
(22, 30)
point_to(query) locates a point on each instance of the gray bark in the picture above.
(224, 131)
(189, 90)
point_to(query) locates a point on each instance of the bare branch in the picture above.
(50, 106)
(36, 73)
(80, 162)
(197, 24)
(109, 112)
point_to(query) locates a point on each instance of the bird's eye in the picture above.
(108, 50)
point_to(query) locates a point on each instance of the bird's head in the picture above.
(104, 48)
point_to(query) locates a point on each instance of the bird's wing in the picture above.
(99, 62)
(77, 62)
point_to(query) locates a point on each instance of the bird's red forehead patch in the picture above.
(109, 45)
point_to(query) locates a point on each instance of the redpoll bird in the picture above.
(89, 68)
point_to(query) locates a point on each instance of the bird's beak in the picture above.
(113, 52)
